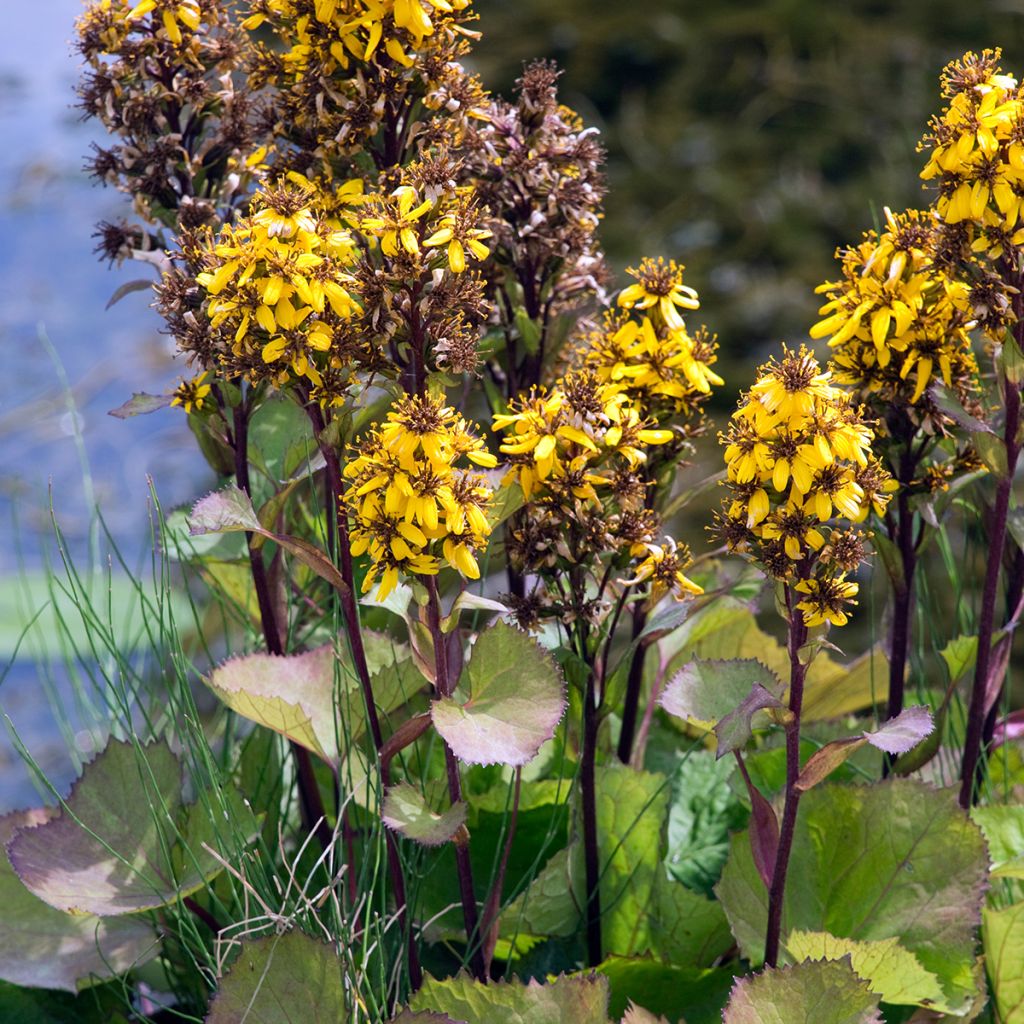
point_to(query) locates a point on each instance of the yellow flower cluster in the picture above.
(797, 454)
(659, 286)
(562, 439)
(400, 220)
(409, 500)
(578, 450)
(279, 286)
(665, 372)
(337, 31)
(896, 320)
(977, 152)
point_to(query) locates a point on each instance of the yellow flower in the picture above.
(660, 286)
(663, 568)
(191, 394)
(827, 599)
(396, 224)
(798, 465)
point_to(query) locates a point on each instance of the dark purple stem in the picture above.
(445, 687)
(777, 890)
(350, 613)
(634, 684)
(903, 596)
(986, 623)
(314, 814)
(588, 792)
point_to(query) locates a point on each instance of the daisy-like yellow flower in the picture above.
(826, 600)
(896, 321)
(413, 507)
(800, 470)
(457, 231)
(572, 433)
(975, 149)
(191, 394)
(395, 221)
(659, 286)
(174, 16)
(663, 568)
(657, 367)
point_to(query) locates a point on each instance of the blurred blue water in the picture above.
(50, 278)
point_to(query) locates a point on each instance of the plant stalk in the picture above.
(797, 673)
(986, 623)
(634, 684)
(588, 792)
(314, 814)
(903, 599)
(445, 687)
(350, 613)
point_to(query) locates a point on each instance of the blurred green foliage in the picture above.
(749, 139)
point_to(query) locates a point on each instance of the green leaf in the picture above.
(826, 992)
(727, 629)
(41, 947)
(282, 979)
(230, 509)
(140, 284)
(280, 437)
(315, 698)
(892, 972)
(631, 809)
(406, 811)
(424, 1017)
(1002, 932)
(894, 860)
(516, 698)
(668, 989)
(951, 406)
(687, 928)
(703, 811)
(124, 842)
(39, 1006)
(141, 404)
(959, 655)
(723, 695)
(565, 1000)
(1003, 826)
(898, 735)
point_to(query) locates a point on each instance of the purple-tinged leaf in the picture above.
(904, 732)
(515, 699)
(41, 947)
(140, 284)
(423, 1017)
(119, 846)
(814, 992)
(722, 695)
(764, 828)
(230, 510)
(1009, 728)
(304, 696)
(406, 811)
(897, 736)
(141, 404)
(733, 731)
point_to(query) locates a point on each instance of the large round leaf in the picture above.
(512, 697)
(41, 947)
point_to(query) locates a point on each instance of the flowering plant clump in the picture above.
(446, 740)
(800, 472)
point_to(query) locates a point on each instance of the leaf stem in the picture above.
(634, 684)
(797, 672)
